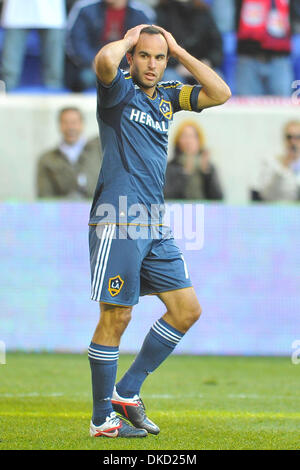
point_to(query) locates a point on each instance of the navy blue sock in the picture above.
(103, 363)
(158, 345)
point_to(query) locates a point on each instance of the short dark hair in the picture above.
(148, 30)
(151, 30)
(70, 108)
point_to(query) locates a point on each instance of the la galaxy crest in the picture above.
(115, 285)
(165, 108)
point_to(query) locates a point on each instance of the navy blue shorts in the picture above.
(124, 266)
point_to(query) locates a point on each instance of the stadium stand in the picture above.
(31, 77)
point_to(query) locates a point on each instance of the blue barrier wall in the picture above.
(247, 277)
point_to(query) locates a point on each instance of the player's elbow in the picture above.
(221, 94)
(225, 94)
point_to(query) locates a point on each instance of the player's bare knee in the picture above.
(197, 313)
(191, 315)
(115, 318)
(123, 316)
(120, 319)
(185, 317)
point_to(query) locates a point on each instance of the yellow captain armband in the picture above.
(185, 97)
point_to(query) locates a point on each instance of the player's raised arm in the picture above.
(214, 90)
(108, 59)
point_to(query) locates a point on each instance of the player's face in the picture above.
(188, 141)
(148, 63)
(71, 126)
(292, 136)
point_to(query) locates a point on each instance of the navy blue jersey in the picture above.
(134, 136)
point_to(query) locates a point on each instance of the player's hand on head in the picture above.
(133, 34)
(171, 41)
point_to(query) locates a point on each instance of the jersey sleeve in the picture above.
(111, 95)
(183, 97)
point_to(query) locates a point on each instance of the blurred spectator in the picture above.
(193, 27)
(280, 178)
(295, 16)
(264, 45)
(190, 174)
(18, 18)
(91, 25)
(223, 12)
(71, 170)
(69, 4)
(151, 3)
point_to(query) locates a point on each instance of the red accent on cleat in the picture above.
(112, 432)
(121, 403)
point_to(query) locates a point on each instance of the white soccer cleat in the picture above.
(115, 427)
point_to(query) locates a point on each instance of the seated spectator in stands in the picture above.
(190, 174)
(280, 178)
(71, 170)
(92, 25)
(192, 25)
(18, 18)
(264, 44)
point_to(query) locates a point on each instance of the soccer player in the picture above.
(131, 252)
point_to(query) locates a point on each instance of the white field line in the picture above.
(230, 395)
(30, 395)
(243, 396)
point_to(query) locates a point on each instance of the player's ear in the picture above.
(129, 58)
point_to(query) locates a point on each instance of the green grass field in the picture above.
(198, 402)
